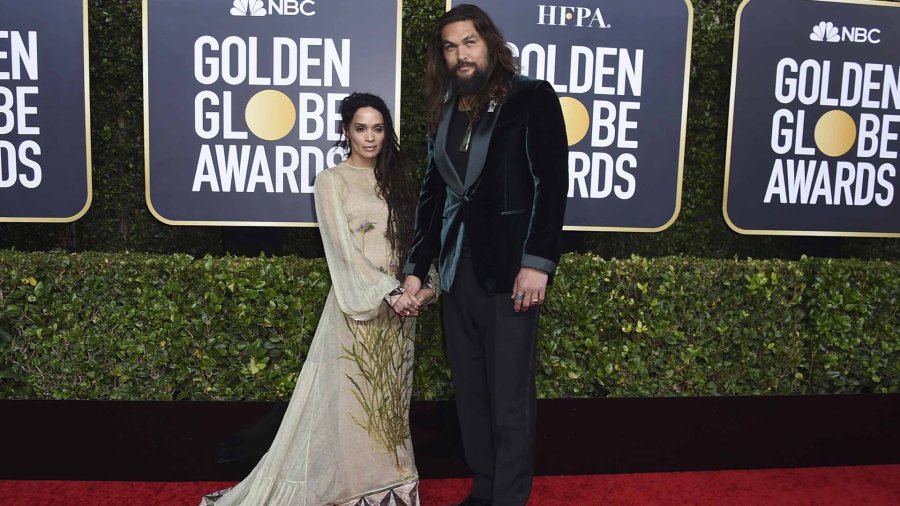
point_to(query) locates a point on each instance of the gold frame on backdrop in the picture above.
(155, 213)
(87, 139)
(734, 66)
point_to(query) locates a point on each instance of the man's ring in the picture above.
(520, 297)
(535, 301)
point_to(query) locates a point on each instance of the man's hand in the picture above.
(529, 289)
(406, 305)
(412, 284)
(425, 297)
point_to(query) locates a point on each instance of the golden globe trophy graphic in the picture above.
(577, 118)
(270, 115)
(813, 133)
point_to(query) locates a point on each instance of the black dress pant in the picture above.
(491, 349)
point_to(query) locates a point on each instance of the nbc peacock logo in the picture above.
(244, 8)
(248, 8)
(825, 32)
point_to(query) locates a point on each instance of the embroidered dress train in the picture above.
(344, 439)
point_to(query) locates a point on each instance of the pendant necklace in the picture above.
(467, 137)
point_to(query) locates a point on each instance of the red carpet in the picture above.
(862, 485)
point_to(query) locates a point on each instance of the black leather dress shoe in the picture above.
(473, 501)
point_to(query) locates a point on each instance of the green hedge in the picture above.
(139, 326)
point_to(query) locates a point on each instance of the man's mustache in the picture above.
(462, 65)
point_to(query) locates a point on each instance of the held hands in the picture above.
(529, 289)
(410, 302)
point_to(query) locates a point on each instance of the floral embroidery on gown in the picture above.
(345, 439)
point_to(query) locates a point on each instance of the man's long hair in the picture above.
(393, 178)
(501, 67)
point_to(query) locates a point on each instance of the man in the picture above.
(492, 207)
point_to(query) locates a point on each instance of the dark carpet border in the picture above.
(221, 441)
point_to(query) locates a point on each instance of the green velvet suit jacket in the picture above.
(510, 207)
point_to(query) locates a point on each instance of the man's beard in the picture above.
(466, 86)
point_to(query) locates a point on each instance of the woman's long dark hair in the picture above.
(393, 179)
(502, 65)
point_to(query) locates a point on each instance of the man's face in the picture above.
(466, 55)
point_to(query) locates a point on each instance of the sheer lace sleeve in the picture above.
(359, 285)
(436, 281)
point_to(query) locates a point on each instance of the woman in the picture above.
(344, 439)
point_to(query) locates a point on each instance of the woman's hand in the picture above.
(406, 305)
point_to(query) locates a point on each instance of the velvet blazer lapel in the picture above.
(478, 147)
(441, 158)
(481, 141)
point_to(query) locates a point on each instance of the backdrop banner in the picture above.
(45, 156)
(815, 119)
(621, 69)
(241, 101)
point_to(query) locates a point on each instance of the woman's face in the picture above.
(366, 135)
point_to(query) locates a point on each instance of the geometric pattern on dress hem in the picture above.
(406, 494)
(210, 499)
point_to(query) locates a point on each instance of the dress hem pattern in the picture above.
(401, 494)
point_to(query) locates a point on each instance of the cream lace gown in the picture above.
(345, 439)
